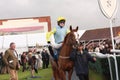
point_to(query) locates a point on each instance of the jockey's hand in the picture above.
(48, 42)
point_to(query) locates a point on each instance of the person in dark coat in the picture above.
(81, 59)
(45, 58)
(1, 61)
(24, 61)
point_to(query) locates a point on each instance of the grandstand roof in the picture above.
(103, 33)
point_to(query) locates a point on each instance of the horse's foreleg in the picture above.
(55, 70)
(70, 74)
(54, 74)
(62, 75)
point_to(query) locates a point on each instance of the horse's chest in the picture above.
(66, 64)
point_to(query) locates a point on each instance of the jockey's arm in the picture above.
(49, 34)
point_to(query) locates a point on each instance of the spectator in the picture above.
(11, 60)
(31, 62)
(40, 63)
(1, 61)
(45, 59)
(81, 59)
(23, 61)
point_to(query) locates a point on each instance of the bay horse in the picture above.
(64, 63)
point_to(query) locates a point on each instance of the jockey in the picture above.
(59, 33)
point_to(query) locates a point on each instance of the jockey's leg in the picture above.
(56, 46)
(58, 51)
(55, 49)
(56, 55)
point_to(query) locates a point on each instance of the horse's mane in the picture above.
(65, 39)
(68, 38)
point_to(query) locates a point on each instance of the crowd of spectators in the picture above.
(103, 47)
(32, 60)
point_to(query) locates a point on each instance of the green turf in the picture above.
(45, 74)
(95, 76)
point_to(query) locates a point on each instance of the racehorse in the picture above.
(64, 63)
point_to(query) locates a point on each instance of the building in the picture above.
(24, 32)
(100, 34)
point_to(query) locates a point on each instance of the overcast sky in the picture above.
(83, 13)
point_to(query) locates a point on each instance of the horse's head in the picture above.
(72, 38)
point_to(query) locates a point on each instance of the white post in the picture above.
(111, 31)
(116, 68)
(110, 68)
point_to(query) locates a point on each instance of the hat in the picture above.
(61, 19)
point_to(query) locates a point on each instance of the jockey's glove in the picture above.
(48, 42)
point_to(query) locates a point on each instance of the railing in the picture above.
(109, 56)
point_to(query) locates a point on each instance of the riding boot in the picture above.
(51, 51)
(53, 54)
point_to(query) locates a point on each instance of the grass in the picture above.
(45, 74)
(95, 76)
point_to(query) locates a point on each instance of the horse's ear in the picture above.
(70, 27)
(77, 28)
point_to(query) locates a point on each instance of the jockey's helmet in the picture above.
(61, 20)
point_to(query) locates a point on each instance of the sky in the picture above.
(83, 13)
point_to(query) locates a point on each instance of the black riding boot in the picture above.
(51, 51)
(53, 54)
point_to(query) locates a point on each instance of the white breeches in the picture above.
(56, 46)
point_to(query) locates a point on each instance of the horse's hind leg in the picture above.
(70, 74)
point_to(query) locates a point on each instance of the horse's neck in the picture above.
(66, 50)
